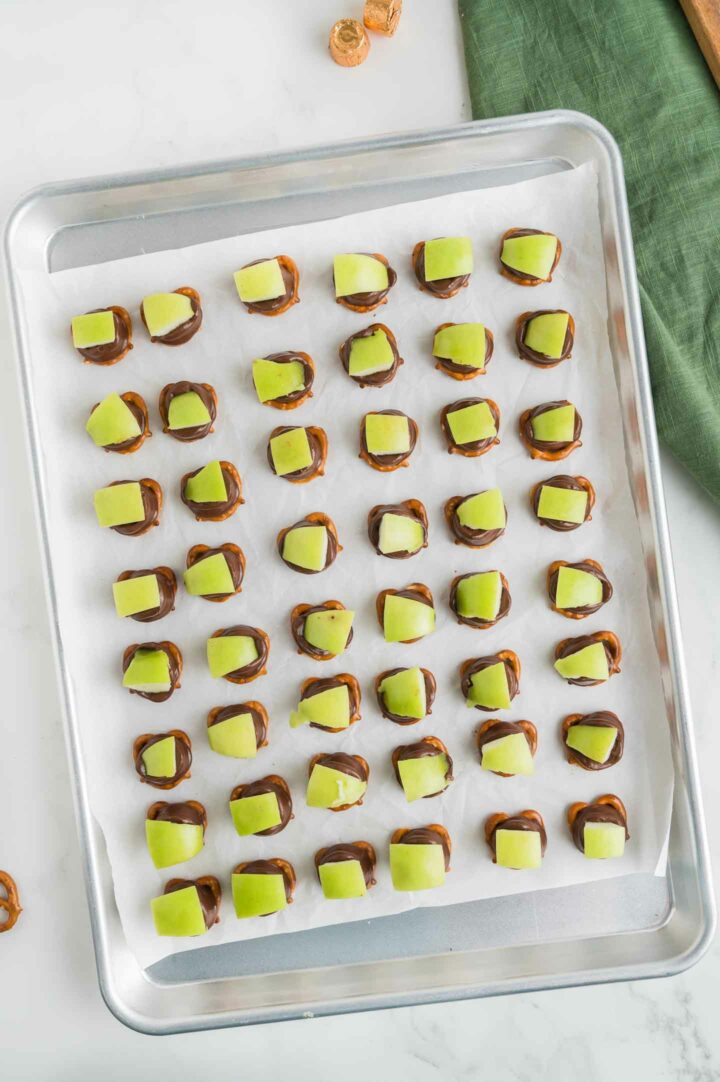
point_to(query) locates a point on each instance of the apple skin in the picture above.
(462, 343)
(483, 511)
(562, 504)
(342, 879)
(306, 546)
(209, 576)
(93, 329)
(164, 312)
(358, 273)
(258, 895)
(518, 849)
(595, 742)
(329, 631)
(508, 755)
(251, 814)
(404, 693)
(133, 595)
(472, 423)
(119, 505)
(328, 788)
(172, 843)
(416, 867)
(226, 653)
(545, 334)
(423, 777)
(187, 411)
(405, 619)
(273, 380)
(179, 913)
(371, 355)
(260, 282)
(448, 257)
(603, 841)
(490, 688)
(207, 486)
(387, 434)
(112, 421)
(234, 737)
(590, 663)
(555, 426)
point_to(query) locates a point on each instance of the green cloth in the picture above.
(635, 66)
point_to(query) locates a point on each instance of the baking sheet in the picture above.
(87, 560)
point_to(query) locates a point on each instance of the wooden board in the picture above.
(704, 19)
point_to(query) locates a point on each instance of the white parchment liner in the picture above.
(87, 559)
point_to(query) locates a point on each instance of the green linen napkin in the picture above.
(635, 66)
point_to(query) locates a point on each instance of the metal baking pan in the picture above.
(626, 928)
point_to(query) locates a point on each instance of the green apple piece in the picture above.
(274, 380)
(165, 311)
(472, 423)
(234, 737)
(462, 343)
(93, 329)
(207, 486)
(119, 505)
(172, 843)
(399, 533)
(590, 663)
(160, 760)
(483, 511)
(478, 596)
(508, 755)
(209, 576)
(603, 840)
(576, 589)
(112, 421)
(328, 788)
(593, 741)
(359, 274)
(423, 777)
(258, 895)
(187, 411)
(387, 434)
(416, 867)
(329, 630)
(329, 708)
(448, 257)
(406, 619)
(530, 255)
(404, 694)
(555, 426)
(546, 333)
(148, 671)
(306, 546)
(251, 814)
(291, 451)
(518, 848)
(489, 688)
(370, 355)
(562, 504)
(179, 913)
(260, 282)
(226, 653)
(136, 595)
(342, 879)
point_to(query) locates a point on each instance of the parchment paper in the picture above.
(88, 559)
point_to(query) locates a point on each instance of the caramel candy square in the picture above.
(349, 43)
(382, 16)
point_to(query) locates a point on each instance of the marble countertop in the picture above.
(91, 88)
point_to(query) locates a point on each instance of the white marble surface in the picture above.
(97, 87)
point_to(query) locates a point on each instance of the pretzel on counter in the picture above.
(11, 903)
